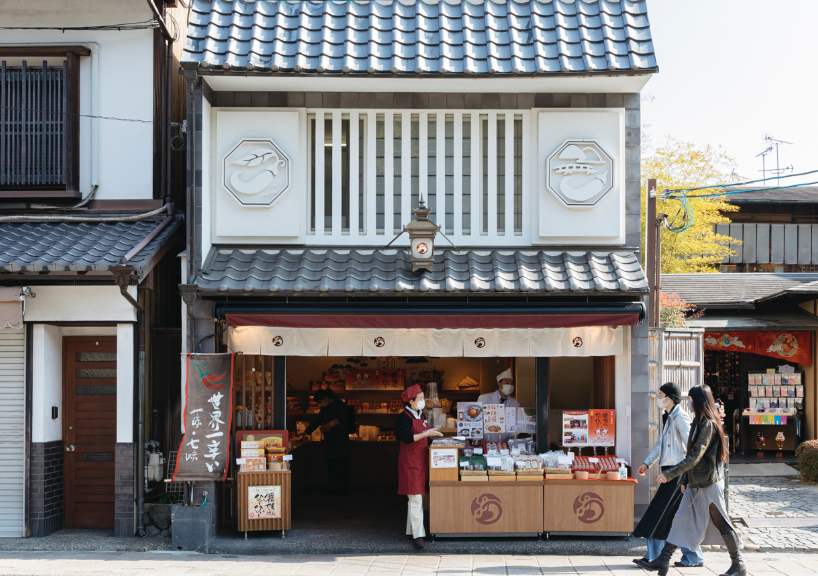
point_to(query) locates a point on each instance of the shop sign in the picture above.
(205, 448)
(256, 172)
(469, 420)
(375, 380)
(580, 173)
(789, 346)
(263, 502)
(443, 458)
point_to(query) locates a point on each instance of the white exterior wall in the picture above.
(46, 380)
(80, 304)
(125, 368)
(115, 81)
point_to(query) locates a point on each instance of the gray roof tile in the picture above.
(405, 36)
(33, 247)
(731, 289)
(389, 271)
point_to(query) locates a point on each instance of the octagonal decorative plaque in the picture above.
(257, 172)
(580, 173)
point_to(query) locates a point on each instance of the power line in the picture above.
(80, 115)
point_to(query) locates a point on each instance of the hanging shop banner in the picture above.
(442, 343)
(730, 341)
(788, 346)
(205, 449)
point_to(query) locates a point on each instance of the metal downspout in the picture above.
(122, 277)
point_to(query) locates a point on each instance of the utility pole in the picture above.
(653, 254)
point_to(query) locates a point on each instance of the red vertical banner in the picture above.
(204, 453)
(788, 346)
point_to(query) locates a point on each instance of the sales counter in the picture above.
(528, 508)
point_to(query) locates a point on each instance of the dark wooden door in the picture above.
(89, 430)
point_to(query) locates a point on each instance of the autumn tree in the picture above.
(678, 165)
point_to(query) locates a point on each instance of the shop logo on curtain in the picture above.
(486, 509)
(577, 342)
(379, 342)
(256, 172)
(589, 508)
(580, 172)
(480, 342)
(278, 341)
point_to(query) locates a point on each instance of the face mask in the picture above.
(508, 389)
(421, 404)
(664, 402)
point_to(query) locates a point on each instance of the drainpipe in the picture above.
(122, 277)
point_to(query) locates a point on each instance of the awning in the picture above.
(11, 308)
(754, 320)
(479, 342)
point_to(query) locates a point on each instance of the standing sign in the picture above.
(575, 428)
(602, 427)
(494, 418)
(263, 502)
(205, 448)
(469, 420)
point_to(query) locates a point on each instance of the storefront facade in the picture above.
(517, 125)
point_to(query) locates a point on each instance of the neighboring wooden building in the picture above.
(90, 225)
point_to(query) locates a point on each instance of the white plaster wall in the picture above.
(46, 380)
(622, 370)
(80, 304)
(124, 60)
(124, 382)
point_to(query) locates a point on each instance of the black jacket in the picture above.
(337, 439)
(702, 462)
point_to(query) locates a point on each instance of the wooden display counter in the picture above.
(584, 506)
(264, 502)
(481, 508)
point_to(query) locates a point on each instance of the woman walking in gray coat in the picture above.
(703, 500)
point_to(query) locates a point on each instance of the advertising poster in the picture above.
(263, 502)
(602, 427)
(494, 418)
(575, 428)
(469, 420)
(374, 380)
(444, 458)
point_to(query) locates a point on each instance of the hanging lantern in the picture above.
(422, 232)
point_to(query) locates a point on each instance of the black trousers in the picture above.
(338, 475)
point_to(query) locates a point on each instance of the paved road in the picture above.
(788, 506)
(175, 563)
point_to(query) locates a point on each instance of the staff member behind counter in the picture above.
(505, 388)
(333, 420)
(413, 433)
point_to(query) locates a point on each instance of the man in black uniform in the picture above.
(333, 420)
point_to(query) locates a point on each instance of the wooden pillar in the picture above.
(541, 380)
(280, 393)
(604, 384)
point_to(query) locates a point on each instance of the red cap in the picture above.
(411, 392)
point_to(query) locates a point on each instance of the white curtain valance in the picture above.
(486, 343)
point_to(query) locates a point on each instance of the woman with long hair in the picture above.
(703, 500)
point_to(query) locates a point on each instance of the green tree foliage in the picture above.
(681, 165)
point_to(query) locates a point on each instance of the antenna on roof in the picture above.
(777, 171)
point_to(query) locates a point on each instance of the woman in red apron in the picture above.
(413, 433)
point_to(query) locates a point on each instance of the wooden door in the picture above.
(89, 430)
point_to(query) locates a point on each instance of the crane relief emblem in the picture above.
(256, 172)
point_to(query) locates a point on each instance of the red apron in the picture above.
(413, 461)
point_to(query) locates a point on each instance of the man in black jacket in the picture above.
(333, 421)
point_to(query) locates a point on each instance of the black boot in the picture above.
(737, 568)
(662, 563)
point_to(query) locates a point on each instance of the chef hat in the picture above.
(411, 392)
(504, 374)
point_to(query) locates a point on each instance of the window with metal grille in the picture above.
(39, 126)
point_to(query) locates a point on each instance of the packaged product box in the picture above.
(252, 452)
(250, 444)
(254, 465)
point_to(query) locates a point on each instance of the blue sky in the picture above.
(731, 71)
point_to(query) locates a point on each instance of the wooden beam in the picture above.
(44, 50)
(38, 195)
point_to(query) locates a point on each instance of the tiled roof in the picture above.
(34, 247)
(390, 271)
(729, 290)
(796, 319)
(421, 37)
(796, 195)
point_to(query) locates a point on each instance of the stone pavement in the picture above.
(177, 563)
(775, 498)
